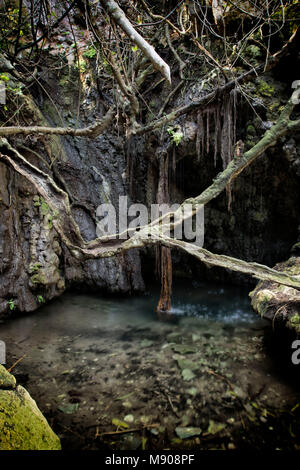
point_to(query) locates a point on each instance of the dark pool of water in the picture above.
(87, 359)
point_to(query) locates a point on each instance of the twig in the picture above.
(173, 92)
(211, 372)
(112, 433)
(15, 363)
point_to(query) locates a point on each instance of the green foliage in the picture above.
(265, 89)
(36, 202)
(291, 15)
(50, 221)
(9, 27)
(90, 52)
(253, 51)
(16, 90)
(40, 299)
(81, 66)
(4, 77)
(44, 207)
(40, 202)
(11, 304)
(176, 136)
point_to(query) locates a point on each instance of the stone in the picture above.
(6, 379)
(23, 427)
(185, 433)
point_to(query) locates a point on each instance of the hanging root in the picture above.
(200, 135)
(164, 304)
(163, 254)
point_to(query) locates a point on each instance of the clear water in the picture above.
(74, 313)
(87, 359)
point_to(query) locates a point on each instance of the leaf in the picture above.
(120, 424)
(187, 374)
(145, 343)
(134, 48)
(184, 349)
(123, 397)
(214, 427)
(69, 408)
(144, 442)
(129, 418)
(185, 363)
(185, 433)
(192, 391)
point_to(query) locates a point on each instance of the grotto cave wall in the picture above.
(34, 266)
(261, 225)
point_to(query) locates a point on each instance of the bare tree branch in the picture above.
(255, 270)
(210, 97)
(120, 18)
(92, 131)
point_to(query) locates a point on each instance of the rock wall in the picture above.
(34, 266)
(259, 220)
(277, 303)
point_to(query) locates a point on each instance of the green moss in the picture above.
(251, 130)
(34, 268)
(65, 81)
(39, 278)
(265, 89)
(294, 322)
(253, 51)
(23, 427)
(261, 301)
(44, 207)
(295, 319)
(50, 221)
(36, 201)
(6, 379)
(274, 106)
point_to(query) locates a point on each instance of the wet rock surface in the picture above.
(278, 303)
(35, 267)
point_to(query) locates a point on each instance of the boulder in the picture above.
(22, 425)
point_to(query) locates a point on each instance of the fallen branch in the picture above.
(16, 363)
(126, 431)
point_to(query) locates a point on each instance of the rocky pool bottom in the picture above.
(107, 374)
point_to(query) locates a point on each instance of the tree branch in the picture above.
(92, 131)
(256, 270)
(210, 97)
(120, 18)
